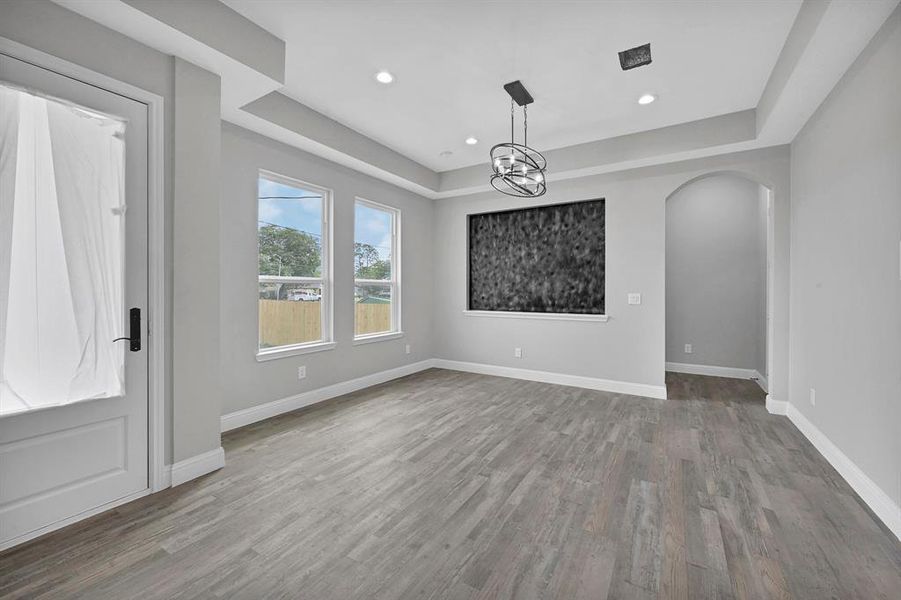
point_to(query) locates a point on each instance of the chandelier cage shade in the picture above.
(518, 169)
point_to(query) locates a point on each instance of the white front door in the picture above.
(73, 265)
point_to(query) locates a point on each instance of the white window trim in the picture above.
(537, 315)
(295, 350)
(396, 330)
(326, 305)
(377, 337)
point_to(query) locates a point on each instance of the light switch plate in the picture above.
(634, 298)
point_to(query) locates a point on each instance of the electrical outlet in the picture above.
(517, 353)
(302, 372)
(407, 349)
(813, 397)
(687, 348)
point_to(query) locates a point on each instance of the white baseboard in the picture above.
(714, 371)
(878, 501)
(253, 414)
(776, 407)
(592, 383)
(711, 370)
(194, 467)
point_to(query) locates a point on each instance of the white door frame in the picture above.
(770, 284)
(158, 473)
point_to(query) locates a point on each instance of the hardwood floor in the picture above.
(453, 485)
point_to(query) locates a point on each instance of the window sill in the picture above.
(537, 316)
(378, 337)
(286, 351)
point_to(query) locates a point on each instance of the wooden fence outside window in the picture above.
(286, 322)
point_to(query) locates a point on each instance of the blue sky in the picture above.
(370, 226)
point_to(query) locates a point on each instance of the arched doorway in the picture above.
(719, 277)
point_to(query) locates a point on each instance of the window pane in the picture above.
(290, 230)
(372, 243)
(372, 308)
(62, 251)
(290, 313)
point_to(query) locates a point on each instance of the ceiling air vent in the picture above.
(635, 57)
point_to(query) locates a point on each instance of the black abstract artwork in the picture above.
(546, 259)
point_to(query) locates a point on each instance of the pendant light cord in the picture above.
(525, 125)
(512, 114)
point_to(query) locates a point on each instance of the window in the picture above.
(294, 254)
(376, 271)
(62, 252)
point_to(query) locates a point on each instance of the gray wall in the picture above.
(846, 293)
(45, 26)
(246, 382)
(630, 346)
(195, 305)
(716, 273)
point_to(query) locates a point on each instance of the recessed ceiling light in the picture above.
(384, 77)
(647, 99)
(472, 141)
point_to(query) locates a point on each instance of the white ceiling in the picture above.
(701, 111)
(450, 60)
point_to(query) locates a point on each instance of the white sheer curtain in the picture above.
(61, 253)
(9, 128)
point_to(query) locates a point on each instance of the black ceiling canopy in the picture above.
(635, 57)
(518, 92)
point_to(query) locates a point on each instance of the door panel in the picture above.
(45, 463)
(84, 447)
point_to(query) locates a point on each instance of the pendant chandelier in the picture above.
(518, 169)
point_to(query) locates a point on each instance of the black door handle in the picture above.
(134, 330)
